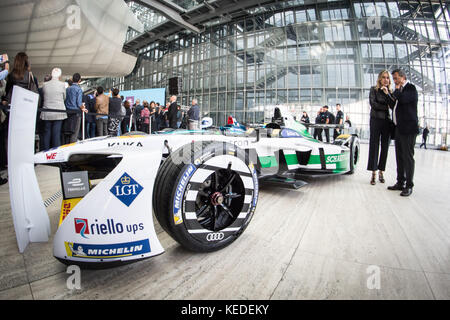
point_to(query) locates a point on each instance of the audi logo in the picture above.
(215, 236)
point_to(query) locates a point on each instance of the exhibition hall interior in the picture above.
(224, 150)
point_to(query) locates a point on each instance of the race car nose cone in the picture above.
(217, 199)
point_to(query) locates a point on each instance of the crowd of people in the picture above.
(63, 104)
(110, 114)
(325, 117)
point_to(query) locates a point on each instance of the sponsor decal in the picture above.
(110, 227)
(255, 185)
(125, 144)
(241, 143)
(126, 189)
(289, 133)
(337, 158)
(215, 236)
(108, 251)
(203, 158)
(51, 156)
(66, 207)
(177, 201)
(81, 227)
(75, 184)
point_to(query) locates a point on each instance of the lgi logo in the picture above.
(126, 189)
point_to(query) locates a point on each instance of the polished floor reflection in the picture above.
(329, 240)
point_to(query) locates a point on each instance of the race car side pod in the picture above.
(31, 221)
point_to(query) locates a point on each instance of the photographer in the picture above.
(4, 65)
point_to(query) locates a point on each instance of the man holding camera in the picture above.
(4, 63)
(4, 67)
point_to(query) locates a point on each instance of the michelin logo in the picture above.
(180, 192)
(110, 251)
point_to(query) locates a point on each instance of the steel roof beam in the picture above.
(169, 12)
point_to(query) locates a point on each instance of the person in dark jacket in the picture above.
(318, 131)
(74, 104)
(126, 126)
(114, 113)
(193, 116)
(172, 113)
(91, 125)
(406, 131)
(425, 134)
(381, 99)
(338, 120)
(327, 118)
(305, 118)
(137, 114)
(20, 76)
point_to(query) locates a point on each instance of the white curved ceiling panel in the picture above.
(54, 35)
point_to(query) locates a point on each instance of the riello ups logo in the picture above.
(126, 189)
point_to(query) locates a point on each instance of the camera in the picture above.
(3, 60)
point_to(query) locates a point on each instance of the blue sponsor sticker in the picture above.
(178, 199)
(108, 251)
(126, 189)
(256, 186)
(289, 133)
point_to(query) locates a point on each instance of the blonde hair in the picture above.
(380, 76)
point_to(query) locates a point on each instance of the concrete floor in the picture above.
(325, 241)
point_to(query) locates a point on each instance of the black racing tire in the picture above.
(354, 154)
(205, 195)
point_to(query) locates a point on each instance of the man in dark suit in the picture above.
(406, 131)
(425, 134)
(172, 112)
(339, 121)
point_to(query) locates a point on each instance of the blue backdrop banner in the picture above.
(149, 95)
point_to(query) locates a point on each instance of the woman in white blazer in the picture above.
(54, 97)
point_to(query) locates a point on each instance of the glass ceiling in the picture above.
(148, 17)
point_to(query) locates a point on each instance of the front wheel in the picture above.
(205, 195)
(354, 154)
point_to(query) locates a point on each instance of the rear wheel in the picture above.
(205, 195)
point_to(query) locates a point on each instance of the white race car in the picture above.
(203, 188)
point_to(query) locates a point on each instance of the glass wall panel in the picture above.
(308, 55)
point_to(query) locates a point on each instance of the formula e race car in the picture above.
(202, 188)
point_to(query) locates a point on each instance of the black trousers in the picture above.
(327, 135)
(379, 134)
(424, 142)
(404, 150)
(318, 134)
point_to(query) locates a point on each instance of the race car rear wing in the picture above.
(31, 221)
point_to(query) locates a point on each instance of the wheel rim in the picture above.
(220, 200)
